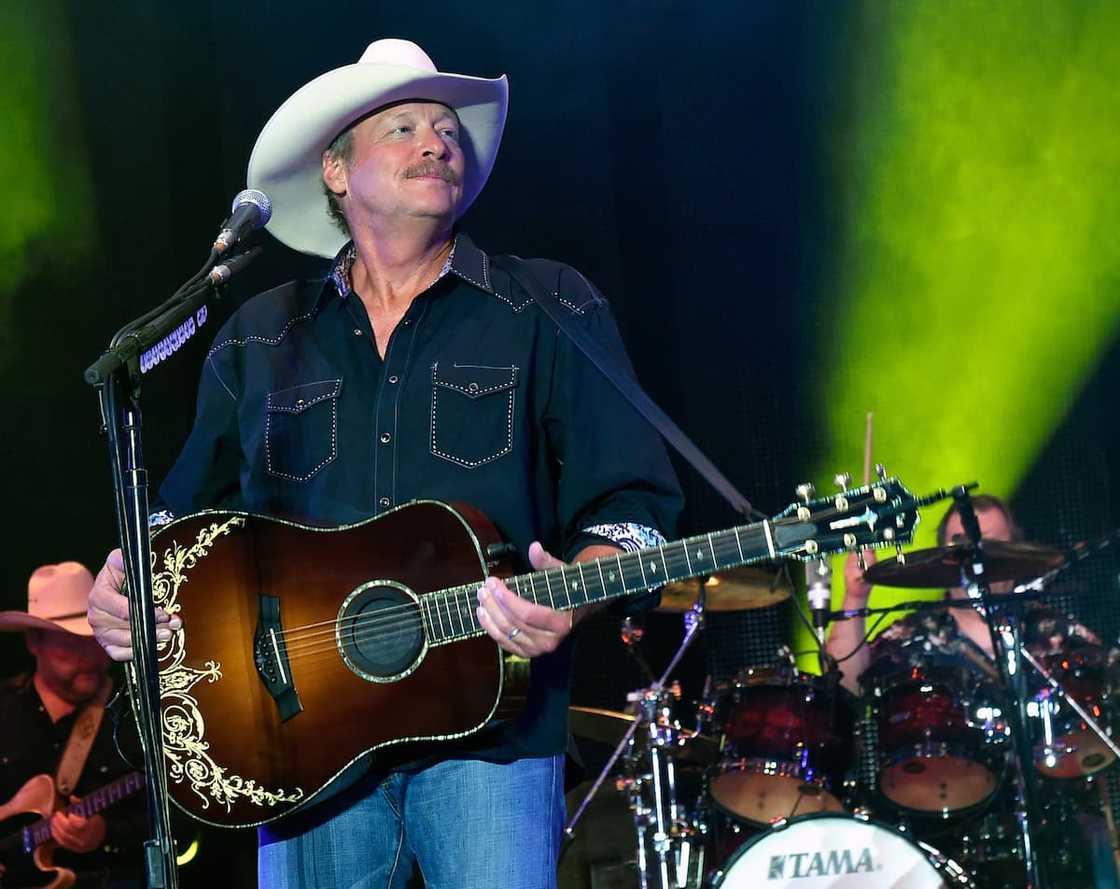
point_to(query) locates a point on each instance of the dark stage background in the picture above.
(668, 150)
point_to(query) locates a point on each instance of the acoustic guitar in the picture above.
(39, 797)
(305, 649)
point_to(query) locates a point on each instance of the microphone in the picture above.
(818, 580)
(251, 210)
(222, 273)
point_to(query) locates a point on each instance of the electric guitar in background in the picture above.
(304, 649)
(34, 804)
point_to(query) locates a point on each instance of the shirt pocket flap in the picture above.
(299, 398)
(474, 381)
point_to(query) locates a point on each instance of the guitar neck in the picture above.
(39, 832)
(450, 613)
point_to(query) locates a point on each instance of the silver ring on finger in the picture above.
(513, 634)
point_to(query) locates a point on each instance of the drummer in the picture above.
(965, 626)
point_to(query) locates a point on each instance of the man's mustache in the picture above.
(432, 168)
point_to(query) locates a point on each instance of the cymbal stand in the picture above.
(668, 851)
(1009, 662)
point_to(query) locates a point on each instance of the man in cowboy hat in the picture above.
(39, 711)
(419, 368)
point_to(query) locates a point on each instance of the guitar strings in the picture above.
(677, 550)
(302, 642)
(299, 641)
(365, 626)
(450, 596)
(390, 623)
(298, 631)
(387, 624)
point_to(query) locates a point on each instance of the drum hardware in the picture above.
(669, 843)
(974, 572)
(632, 634)
(610, 726)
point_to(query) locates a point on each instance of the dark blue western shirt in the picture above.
(478, 399)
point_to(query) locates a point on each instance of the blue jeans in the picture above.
(466, 824)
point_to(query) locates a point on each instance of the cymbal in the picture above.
(737, 589)
(940, 567)
(608, 727)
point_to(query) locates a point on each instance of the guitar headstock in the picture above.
(883, 513)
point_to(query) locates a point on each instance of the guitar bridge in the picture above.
(270, 654)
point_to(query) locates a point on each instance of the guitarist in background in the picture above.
(419, 368)
(38, 712)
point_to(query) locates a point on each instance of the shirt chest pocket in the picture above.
(301, 429)
(472, 413)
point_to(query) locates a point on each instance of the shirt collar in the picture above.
(466, 261)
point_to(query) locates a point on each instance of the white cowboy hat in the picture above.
(286, 161)
(57, 597)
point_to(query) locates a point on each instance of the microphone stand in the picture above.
(116, 375)
(1010, 666)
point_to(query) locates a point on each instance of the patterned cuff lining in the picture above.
(628, 535)
(160, 518)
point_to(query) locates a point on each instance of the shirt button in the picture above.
(406, 322)
(386, 438)
(393, 378)
(384, 501)
(357, 331)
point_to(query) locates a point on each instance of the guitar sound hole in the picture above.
(381, 633)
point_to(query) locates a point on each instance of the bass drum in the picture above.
(832, 851)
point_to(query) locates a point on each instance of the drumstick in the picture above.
(867, 450)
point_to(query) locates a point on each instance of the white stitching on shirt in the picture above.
(333, 393)
(330, 456)
(466, 390)
(472, 464)
(268, 341)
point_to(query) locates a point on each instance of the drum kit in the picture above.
(783, 778)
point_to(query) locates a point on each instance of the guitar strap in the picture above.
(625, 382)
(78, 745)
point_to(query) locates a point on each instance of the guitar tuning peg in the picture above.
(842, 480)
(899, 554)
(806, 491)
(881, 472)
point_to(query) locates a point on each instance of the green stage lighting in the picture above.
(974, 167)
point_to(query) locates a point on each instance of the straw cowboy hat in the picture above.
(56, 600)
(286, 161)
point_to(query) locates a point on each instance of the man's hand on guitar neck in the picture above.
(76, 832)
(525, 628)
(108, 611)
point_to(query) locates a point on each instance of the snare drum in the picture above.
(832, 851)
(787, 740)
(942, 738)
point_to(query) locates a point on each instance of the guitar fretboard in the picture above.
(449, 615)
(39, 832)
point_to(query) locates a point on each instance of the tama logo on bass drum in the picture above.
(820, 864)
